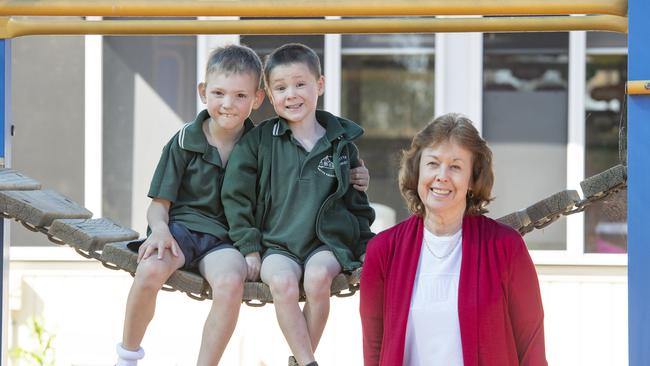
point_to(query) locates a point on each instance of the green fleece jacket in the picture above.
(271, 192)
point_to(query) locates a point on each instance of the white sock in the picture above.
(126, 357)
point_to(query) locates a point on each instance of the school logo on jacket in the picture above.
(326, 165)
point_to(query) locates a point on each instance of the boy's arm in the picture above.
(163, 191)
(160, 239)
(357, 203)
(239, 195)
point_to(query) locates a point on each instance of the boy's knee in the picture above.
(151, 276)
(227, 283)
(284, 287)
(317, 282)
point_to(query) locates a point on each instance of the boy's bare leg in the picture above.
(225, 270)
(150, 275)
(320, 270)
(283, 275)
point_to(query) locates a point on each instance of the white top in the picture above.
(433, 329)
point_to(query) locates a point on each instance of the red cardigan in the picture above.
(499, 303)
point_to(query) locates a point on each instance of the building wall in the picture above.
(149, 92)
(82, 304)
(47, 106)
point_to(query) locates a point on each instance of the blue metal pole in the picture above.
(5, 111)
(638, 193)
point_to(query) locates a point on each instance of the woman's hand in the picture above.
(254, 263)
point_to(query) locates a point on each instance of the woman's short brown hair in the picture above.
(458, 129)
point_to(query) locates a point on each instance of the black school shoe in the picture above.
(293, 362)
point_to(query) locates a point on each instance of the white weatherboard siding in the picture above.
(83, 305)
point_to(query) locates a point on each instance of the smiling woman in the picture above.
(448, 278)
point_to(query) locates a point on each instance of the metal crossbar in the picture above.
(16, 27)
(308, 8)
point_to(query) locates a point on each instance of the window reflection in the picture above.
(525, 123)
(387, 86)
(606, 74)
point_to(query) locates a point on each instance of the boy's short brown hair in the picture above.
(292, 53)
(234, 59)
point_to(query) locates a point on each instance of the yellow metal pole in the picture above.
(637, 87)
(307, 8)
(16, 27)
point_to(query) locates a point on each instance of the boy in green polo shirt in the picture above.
(187, 224)
(287, 197)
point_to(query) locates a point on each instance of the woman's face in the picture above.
(445, 173)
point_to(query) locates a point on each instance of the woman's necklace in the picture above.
(451, 250)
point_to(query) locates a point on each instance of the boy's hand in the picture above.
(362, 258)
(158, 241)
(254, 263)
(359, 177)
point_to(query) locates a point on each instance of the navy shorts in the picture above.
(293, 257)
(194, 245)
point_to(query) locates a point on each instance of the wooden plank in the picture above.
(90, 235)
(594, 186)
(555, 204)
(11, 180)
(40, 207)
(516, 220)
(120, 255)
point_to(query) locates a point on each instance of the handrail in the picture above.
(638, 87)
(16, 27)
(307, 8)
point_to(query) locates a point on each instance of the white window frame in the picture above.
(93, 116)
(575, 251)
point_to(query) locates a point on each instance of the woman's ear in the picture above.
(321, 85)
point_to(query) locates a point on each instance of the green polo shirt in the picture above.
(300, 183)
(190, 175)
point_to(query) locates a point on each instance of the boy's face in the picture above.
(230, 98)
(294, 90)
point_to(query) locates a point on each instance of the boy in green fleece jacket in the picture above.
(287, 197)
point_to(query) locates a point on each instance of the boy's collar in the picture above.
(192, 138)
(333, 128)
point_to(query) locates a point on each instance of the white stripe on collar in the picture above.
(276, 128)
(181, 136)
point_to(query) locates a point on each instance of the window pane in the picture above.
(387, 87)
(606, 40)
(398, 42)
(389, 95)
(605, 222)
(525, 123)
(149, 84)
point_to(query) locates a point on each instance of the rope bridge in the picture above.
(65, 222)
